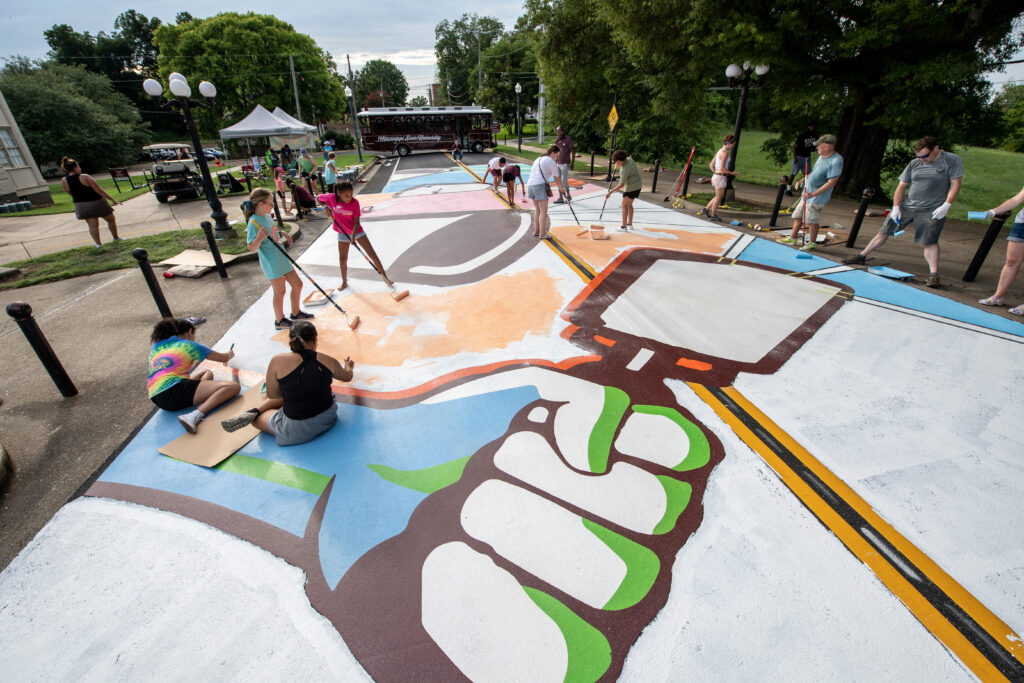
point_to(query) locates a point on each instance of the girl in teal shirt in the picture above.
(275, 265)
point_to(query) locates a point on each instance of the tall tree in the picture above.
(459, 48)
(418, 101)
(246, 57)
(508, 61)
(899, 69)
(379, 75)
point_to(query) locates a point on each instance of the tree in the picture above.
(874, 70)
(1010, 104)
(508, 61)
(458, 46)
(97, 125)
(246, 57)
(418, 101)
(377, 75)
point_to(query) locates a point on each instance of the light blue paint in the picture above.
(769, 253)
(452, 177)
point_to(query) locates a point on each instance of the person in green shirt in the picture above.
(307, 164)
(629, 183)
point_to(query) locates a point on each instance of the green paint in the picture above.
(642, 566)
(589, 653)
(700, 450)
(616, 401)
(276, 472)
(427, 480)
(677, 497)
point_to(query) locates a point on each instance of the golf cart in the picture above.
(174, 177)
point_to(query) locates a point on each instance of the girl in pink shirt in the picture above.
(344, 211)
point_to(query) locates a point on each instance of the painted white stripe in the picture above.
(640, 359)
(938, 318)
(738, 245)
(826, 271)
(459, 268)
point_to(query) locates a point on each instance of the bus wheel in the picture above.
(478, 147)
(403, 150)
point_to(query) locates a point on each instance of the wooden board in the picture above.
(211, 444)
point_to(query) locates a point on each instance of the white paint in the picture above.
(538, 414)
(737, 246)
(654, 438)
(482, 259)
(626, 495)
(485, 623)
(446, 188)
(545, 539)
(715, 309)
(640, 359)
(574, 421)
(828, 271)
(938, 318)
(110, 591)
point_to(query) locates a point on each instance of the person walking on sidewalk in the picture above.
(539, 191)
(89, 199)
(802, 149)
(934, 178)
(566, 153)
(629, 183)
(719, 177)
(817, 191)
(1014, 255)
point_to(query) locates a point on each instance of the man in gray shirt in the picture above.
(934, 178)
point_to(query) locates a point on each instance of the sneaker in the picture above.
(786, 240)
(789, 193)
(190, 421)
(933, 281)
(559, 201)
(233, 424)
(856, 259)
(283, 324)
(810, 246)
(714, 218)
(302, 315)
(623, 228)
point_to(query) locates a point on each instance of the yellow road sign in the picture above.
(613, 117)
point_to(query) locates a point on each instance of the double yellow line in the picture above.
(500, 196)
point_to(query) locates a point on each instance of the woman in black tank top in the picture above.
(90, 200)
(300, 404)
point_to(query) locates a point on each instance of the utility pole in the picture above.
(295, 88)
(479, 65)
(352, 105)
(540, 111)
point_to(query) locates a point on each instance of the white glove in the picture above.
(894, 214)
(940, 212)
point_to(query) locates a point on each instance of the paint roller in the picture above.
(395, 294)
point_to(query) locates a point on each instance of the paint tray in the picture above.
(891, 273)
(594, 232)
(317, 298)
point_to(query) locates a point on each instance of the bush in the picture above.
(342, 140)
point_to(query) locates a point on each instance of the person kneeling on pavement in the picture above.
(300, 405)
(301, 198)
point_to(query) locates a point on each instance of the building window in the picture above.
(10, 155)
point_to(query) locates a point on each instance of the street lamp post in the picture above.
(182, 93)
(519, 119)
(743, 78)
(355, 123)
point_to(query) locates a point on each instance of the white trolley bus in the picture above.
(401, 130)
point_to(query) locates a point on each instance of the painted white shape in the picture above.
(645, 215)
(653, 438)
(737, 246)
(484, 621)
(938, 318)
(545, 539)
(626, 495)
(763, 592)
(111, 591)
(482, 259)
(574, 421)
(538, 415)
(827, 271)
(446, 188)
(735, 312)
(640, 359)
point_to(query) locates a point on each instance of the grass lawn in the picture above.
(115, 255)
(62, 200)
(527, 154)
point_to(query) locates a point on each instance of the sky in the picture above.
(401, 31)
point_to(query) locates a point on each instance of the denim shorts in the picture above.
(538, 193)
(1016, 233)
(343, 236)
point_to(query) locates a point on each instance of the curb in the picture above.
(6, 469)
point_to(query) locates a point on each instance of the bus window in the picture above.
(419, 124)
(378, 125)
(396, 124)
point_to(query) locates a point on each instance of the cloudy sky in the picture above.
(401, 31)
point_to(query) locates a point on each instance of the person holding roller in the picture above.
(344, 211)
(300, 405)
(539, 191)
(1014, 254)
(275, 264)
(818, 190)
(629, 183)
(934, 179)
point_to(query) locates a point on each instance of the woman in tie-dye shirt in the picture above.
(171, 387)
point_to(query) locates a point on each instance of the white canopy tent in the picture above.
(261, 123)
(285, 116)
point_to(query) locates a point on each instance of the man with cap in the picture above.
(817, 191)
(934, 178)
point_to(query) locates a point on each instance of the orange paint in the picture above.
(569, 331)
(693, 364)
(599, 253)
(604, 340)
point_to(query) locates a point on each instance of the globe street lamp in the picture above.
(182, 93)
(519, 119)
(742, 78)
(355, 123)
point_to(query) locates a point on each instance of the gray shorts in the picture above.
(97, 208)
(538, 193)
(290, 432)
(926, 230)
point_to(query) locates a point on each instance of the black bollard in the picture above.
(309, 184)
(277, 212)
(22, 314)
(654, 183)
(783, 182)
(591, 164)
(212, 241)
(686, 182)
(248, 181)
(142, 256)
(986, 244)
(862, 211)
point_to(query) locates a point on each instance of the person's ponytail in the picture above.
(301, 333)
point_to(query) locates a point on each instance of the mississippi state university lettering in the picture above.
(409, 138)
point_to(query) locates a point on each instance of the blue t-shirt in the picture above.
(824, 170)
(274, 263)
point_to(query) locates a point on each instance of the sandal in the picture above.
(992, 301)
(1016, 310)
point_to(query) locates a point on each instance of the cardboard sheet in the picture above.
(211, 443)
(196, 257)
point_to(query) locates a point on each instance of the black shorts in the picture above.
(509, 177)
(632, 195)
(178, 396)
(307, 203)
